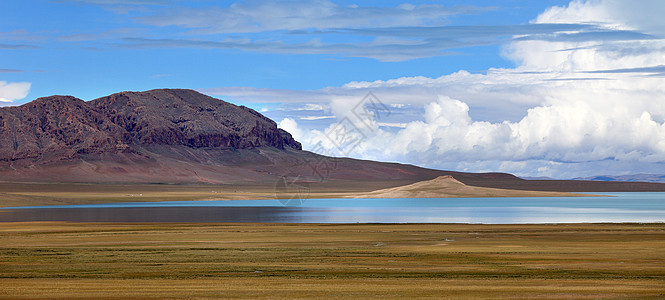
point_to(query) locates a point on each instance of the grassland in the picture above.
(67, 260)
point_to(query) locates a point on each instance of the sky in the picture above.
(559, 89)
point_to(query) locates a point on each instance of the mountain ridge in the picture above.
(658, 178)
(177, 136)
(163, 136)
(63, 127)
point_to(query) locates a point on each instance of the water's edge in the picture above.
(615, 208)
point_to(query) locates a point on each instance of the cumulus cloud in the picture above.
(291, 126)
(10, 91)
(570, 108)
(548, 138)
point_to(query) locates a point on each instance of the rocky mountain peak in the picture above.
(64, 127)
(186, 117)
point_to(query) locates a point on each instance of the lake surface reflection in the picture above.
(619, 207)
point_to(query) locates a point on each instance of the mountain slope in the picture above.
(55, 128)
(188, 118)
(164, 136)
(63, 127)
(182, 136)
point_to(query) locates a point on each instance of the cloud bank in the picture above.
(570, 107)
(259, 16)
(388, 34)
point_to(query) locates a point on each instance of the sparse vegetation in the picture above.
(65, 260)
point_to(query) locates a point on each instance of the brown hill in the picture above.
(182, 136)
(164, 136)
(57, 128)
(188, 118)
(63, 127)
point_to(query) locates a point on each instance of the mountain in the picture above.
(188, 118)
(63, 127)
(636, 177)
(163, 136)
(177, 136)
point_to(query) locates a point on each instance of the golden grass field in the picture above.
(125, 261)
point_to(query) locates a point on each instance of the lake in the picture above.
(615, 208)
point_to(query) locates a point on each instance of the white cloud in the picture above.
(397, 125)
(387, 51)
(291, 126)
(597, 55)
(258, 16)
(13, 91)
(390, 34)
(644, 15)
(570, 108)
(314, 118)
(569, 122)
(311, 106)
(396, 44)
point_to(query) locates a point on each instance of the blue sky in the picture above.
(536, 88)
(91, 48)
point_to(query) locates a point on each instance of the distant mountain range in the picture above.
(635, 178)
(177, 136)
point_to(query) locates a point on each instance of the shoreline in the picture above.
(48, 194)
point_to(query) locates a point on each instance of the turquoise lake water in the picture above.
(615, 208)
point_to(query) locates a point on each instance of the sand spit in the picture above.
(448, 187)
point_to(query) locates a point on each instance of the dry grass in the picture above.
(63, 260)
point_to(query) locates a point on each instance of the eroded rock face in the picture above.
(186, 117)
(55, 128)
(63, 127)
